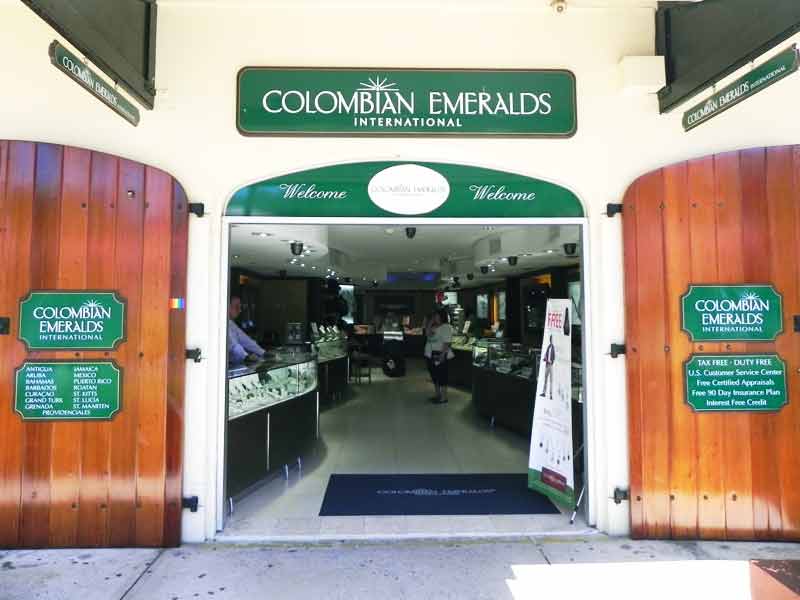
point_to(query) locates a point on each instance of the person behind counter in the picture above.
(241, 346)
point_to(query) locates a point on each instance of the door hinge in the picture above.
(192, 502)
(797, 323)
(5, 325)
(194, 354)
(613, 210)
(620, 494)
(197, 208)
(617, 349)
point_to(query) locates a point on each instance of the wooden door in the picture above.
(73, 219)
(731, 218)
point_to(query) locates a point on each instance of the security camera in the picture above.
(571, 249)
(282, 273)
(297, 248)
(470, 276)
(512, 260)
(484, 270)
(411, 232)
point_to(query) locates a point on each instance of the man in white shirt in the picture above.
(241, 346)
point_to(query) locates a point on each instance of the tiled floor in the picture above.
(388, 426)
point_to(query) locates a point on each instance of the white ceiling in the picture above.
(459, 3)
(367, 252)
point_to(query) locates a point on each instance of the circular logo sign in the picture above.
(408, 189)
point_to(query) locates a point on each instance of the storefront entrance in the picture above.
(368, 429)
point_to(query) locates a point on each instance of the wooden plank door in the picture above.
(731, 218)
(73, 219)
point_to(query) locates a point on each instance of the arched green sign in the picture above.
(399, 188)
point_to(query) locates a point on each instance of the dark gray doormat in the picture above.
(447, 494)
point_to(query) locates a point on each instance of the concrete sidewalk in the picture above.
(559, 568)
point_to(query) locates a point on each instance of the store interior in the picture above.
(344, 388)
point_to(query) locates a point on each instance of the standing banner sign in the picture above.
(550, 467)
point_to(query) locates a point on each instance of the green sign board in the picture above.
(67, 320)
(74, 67)
(532, 102)
(60, 390)
(746, 86)
(732, 313)
(735, 382)
(391, 188)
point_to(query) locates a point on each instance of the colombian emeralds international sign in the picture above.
(56, 390)
(735, 382)
(72, 320)
(66, 62)
(732, 313)
(748, 85)
(392, 188)
(534, 102)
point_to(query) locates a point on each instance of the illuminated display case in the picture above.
(263, 385)
(330, 344)
(463, 342)
(514, 360)
(481, 351)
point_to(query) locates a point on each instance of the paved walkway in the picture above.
(558, 568)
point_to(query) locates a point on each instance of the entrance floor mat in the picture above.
(431, 494)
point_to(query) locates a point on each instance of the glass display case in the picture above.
(481, 348)
(288, 375)
(330, 344)
(463, 342)
(513, 360)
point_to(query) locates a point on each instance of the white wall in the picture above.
(192, 134)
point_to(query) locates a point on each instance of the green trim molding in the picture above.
(392, 188)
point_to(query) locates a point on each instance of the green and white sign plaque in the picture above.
(732, 313)
(748, 85)
(62, 390)
(72, 320)
(66, 62)
(513, 102)
(735, 382)
(391, 188)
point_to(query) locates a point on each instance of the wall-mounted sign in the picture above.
(748, 85)
(732, 313)
(391, 188)
(72, 320)
(70, 64)
(532, 102)
(735, 382)
(56, 390)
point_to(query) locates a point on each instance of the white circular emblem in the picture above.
(408, 189)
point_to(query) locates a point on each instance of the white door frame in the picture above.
(591, 408)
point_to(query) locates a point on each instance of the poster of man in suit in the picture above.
(550, 466)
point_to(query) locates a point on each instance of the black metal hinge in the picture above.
(5, 325)
(613, 210)
(194, 354)
(617, 349)
(192, 502)
(197, 208)
(620, 494)
(797, 323)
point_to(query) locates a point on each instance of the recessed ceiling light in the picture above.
(314, 268)
(235, 256)
(303, 265)
(551, 251)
